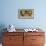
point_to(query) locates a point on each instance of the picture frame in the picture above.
(26, 13)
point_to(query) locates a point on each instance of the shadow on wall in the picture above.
(2, 26)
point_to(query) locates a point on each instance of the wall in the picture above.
(9, 13)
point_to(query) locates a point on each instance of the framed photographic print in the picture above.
(26, 13)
